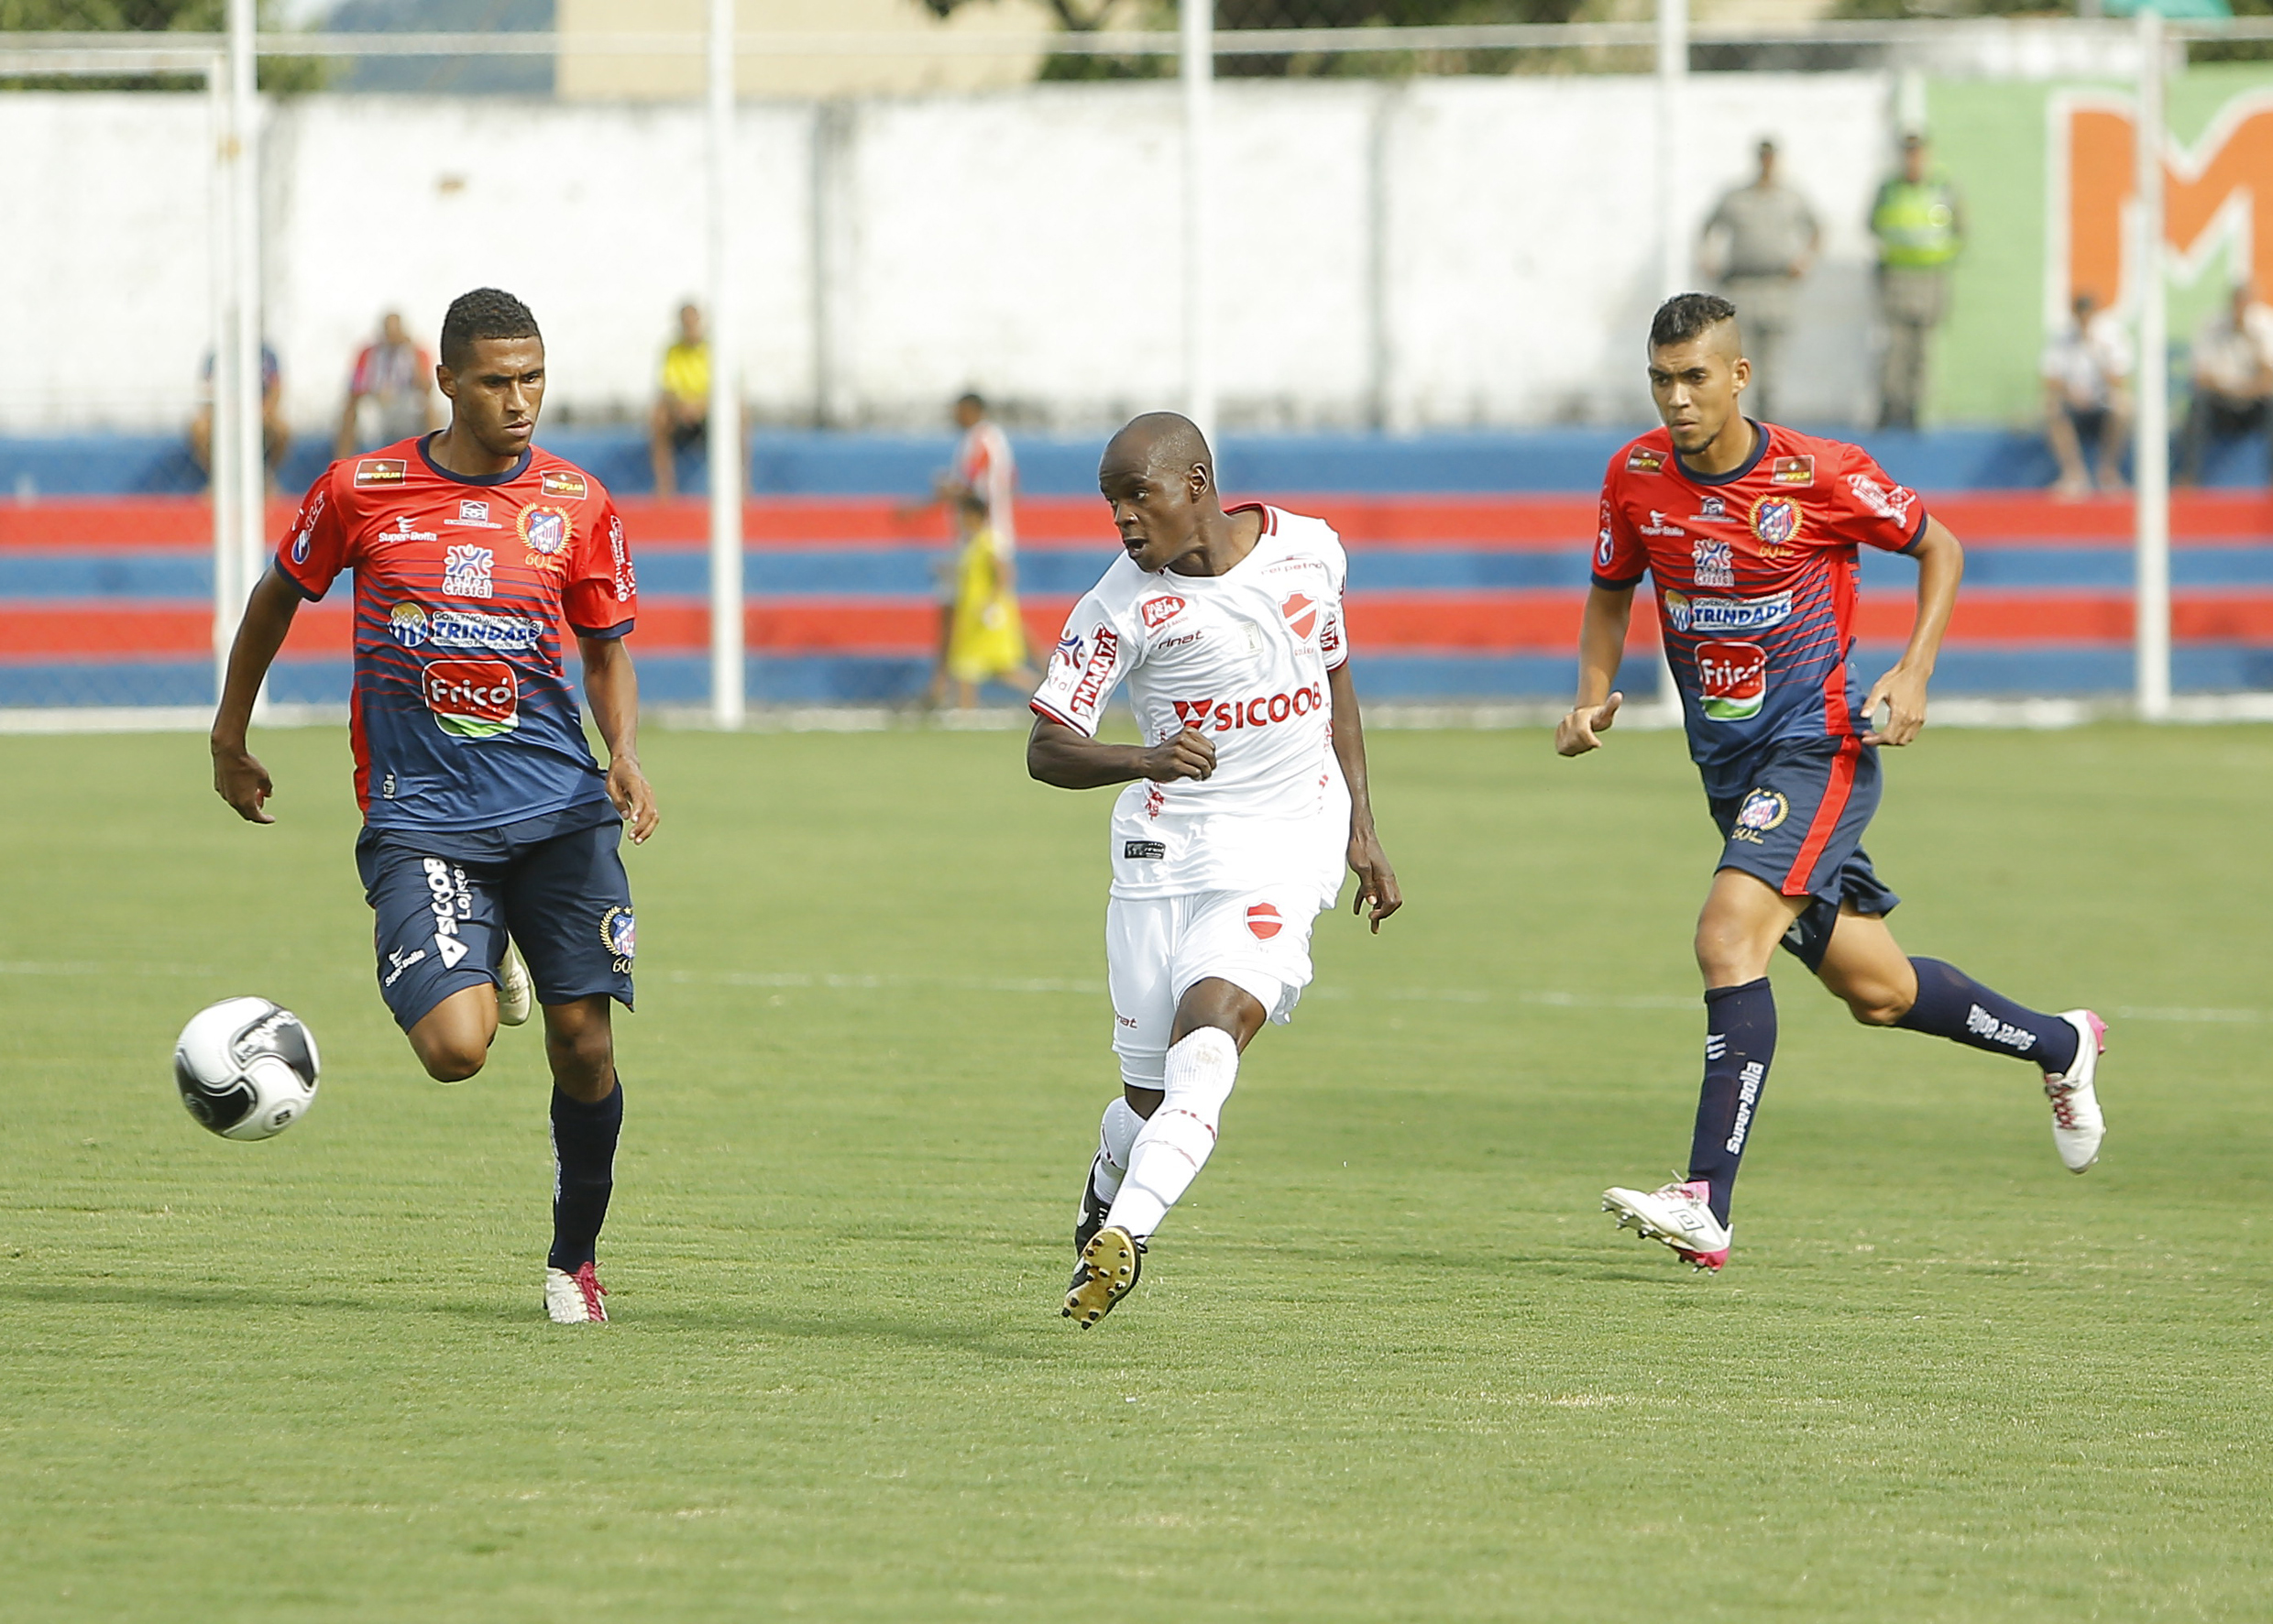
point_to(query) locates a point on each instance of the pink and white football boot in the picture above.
(1677, 1215)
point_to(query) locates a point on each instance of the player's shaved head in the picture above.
(1161, 443)
(1160, 475)
(1689, 316)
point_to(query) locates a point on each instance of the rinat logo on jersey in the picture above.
(1708, 616)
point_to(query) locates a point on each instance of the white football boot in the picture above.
(1677, 1215)
(516, 994)
(575, 1298)
(2077, 1125)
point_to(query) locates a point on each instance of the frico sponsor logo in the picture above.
(473, 515)
(1894, 504)
(1712, 564)
(467, 571)
(620, 937)
(1747, 1083)
(450, 899)
(1777, 520)
(1105, 645)
(1762, 810)
(1642, 460)
(1982, 1024)
(1658, 526)
(1158, 611)
(620, 552)
(406, 622)
(1230, 716)
(1712, 510)
(1732, 679)
(1265, 920)
(562, 482)
(1792, 471)
(1707, 616)
(307, 528)
(546, 532)
(403, 532)
(472, 698)
(1302, 613)
(471, 629)
(380, 470)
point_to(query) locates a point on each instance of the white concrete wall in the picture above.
(1440, 253)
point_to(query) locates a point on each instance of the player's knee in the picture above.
(587, 1054)
(1876, 1006)
(449, 1061)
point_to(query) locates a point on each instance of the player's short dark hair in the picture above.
(1689, 315)
(971, 398)
(486, 312)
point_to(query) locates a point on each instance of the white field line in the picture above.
(839, 982)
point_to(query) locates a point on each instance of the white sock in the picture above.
(1115, 1134)
(1174, 1144)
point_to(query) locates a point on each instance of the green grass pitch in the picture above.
(1388, 1363)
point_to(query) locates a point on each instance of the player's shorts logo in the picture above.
(1763, 810)
(472, 698)
(1775, 520)
(560, 482)
(467, 571)
(547, 530)
(620, 939)
(380, 470)
(1642, 460)
(1265, 921)
(1159, 612)
(1301, 615)
(1733, 678)
(1792, 471)
(407, 621)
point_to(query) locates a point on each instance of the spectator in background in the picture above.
(2232, 367)
(390, 393)
(274, 438)
(1759, 242)
(1919, 221)
(682, 415)
(2087, 396)
(981, 636)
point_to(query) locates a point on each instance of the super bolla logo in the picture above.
(2209, 198)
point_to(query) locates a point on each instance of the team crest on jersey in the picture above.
(466, 572)
(380, 470)
(407, 623)
(1302, 613)
(1792, 471)
(561, 482)
(617, 931)
(1642, 460)
(1763, 810)
(1775, 520)
(546, 531)
(1265, 920)
(1158, 611)
(1712, 564)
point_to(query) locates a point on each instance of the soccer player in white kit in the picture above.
(1241, 808)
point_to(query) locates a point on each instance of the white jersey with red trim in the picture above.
(1242, 658)
(984, 466)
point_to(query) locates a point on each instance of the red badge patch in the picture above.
(380, 470)
(1301, 615)
(1264, 920)
(1159, 612)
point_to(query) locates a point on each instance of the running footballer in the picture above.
(486, 822)
(1240, 810)
(1749, 533)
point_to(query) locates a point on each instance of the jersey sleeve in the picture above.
(601, 597)
(1088, 664)
(1334, 641)
(1870, 509)
(1619, 557)
(318, 546)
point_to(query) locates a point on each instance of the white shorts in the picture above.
(1157, 948)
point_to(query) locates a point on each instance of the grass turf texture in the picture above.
(1388, 1363)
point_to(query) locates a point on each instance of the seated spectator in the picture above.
(274, 438)
(682, 416)
(2232, 367)
(2087, 396)
(391, 394)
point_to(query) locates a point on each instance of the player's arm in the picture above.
(1069, 759)
(612, 688)
(1941, 565)
(1601, 647)
(239, 776)
(1376, 882)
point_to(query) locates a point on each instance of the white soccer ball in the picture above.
(246, 1068)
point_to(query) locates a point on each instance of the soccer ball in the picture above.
(245, 1067)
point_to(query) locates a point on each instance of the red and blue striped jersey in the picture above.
(461, 715)
(1755, 572)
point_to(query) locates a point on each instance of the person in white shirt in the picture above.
(2232, 367)
(2087, 396)
(1244, 803)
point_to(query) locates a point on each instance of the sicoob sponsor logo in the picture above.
(1201, 715)
(1158, 611)
(453, 900)
(1105, 645)
(472, 698)
(1706, 615)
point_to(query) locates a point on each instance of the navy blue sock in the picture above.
(1952, 1005)
(584, 1173)
(1739, 1046)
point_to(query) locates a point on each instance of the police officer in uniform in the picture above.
(1919, 221)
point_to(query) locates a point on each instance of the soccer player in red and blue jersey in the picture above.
(486, 822)
(1750, 533)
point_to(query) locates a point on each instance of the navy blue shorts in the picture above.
(442, 914)
(1799, 827)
